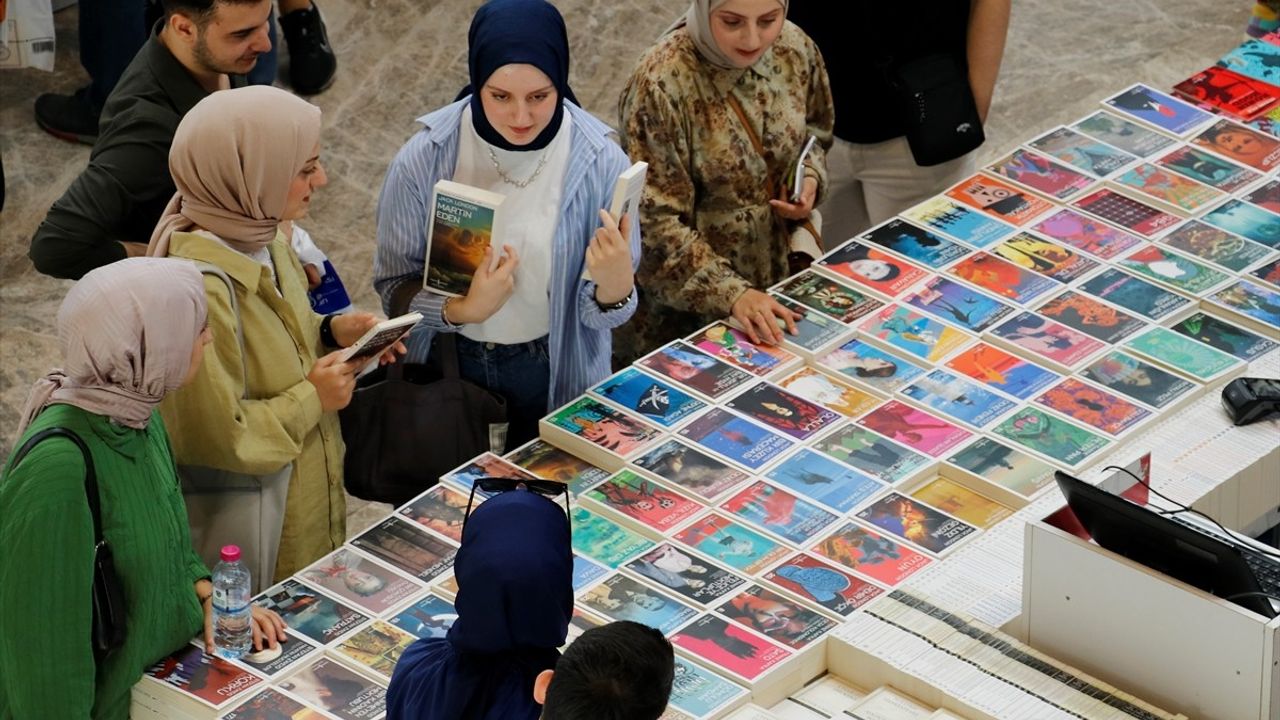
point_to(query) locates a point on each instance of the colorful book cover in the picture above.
(958, 398)
(1240, 144)
(1037, 172)
(1093, 406)
(959, 501)
(914, 428)
(873, 268)
(482, 466)
(292, 652)
(915, 243)
(1054, 438)
(916, 523)
(1050, 340)
(586, 572)
(1082, 152)
(1246, 220)
(1002, 465)
(649, 397)
(732, 346)
(1227, 337)
(1134, 294)
(1177, 271)
(309, 612)
(958, 221)
(1158, 109)
(417, 553)
(698, 693)
(328, 685)
(1268, 122)
(601, 425)
(1002, 278)
(732, 543)
(1268, 273)
(1045, 257)
(783, 411)
(1254, 58)
(1164, 186)
(271, 704)
(819, 477)
(814, 330)
(463, 222)
(871, 365)
(915, 334)
(783, 621)
(728, 646)
(621, 598)
(695, 369)
(551, 463)
(829, 392)
(1229, 92)
(1126, 212)
(1091, 316)
(209, 679)
(1209, 169)
(779, 512)
(441, 509)
(1215, 245)
(603, 540)
(1137, 379)
(999, 199)
(1007, 373)
(871, 554)
(1252, 300)
(646, 501)
(691, 577)
(957, 304)
(429, 617)
(1266, 196)
(735, 438)
(377, 647)
(830, 587)
(1121, 133)
(690, 469)
(348, 575)
(871, 453)
(833, 299)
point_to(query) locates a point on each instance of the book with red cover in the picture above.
(1229, 92)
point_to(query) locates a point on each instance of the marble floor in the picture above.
(401, 58)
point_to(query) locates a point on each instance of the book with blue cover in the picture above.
(735, 438)
(821, 478)
(649, 397)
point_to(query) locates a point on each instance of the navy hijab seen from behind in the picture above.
(515, 601)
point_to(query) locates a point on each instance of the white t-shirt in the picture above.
(532, 213)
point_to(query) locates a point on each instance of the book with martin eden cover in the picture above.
(464, 221)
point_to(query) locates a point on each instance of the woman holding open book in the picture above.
(530, 328)
(721, 109)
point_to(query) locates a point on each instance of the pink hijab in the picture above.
(126, 331)
(233, 157)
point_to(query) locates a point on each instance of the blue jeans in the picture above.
(520, 373)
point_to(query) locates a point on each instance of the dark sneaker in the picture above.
(70, 117)
(311, 59)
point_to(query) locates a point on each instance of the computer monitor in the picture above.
(1145, 536)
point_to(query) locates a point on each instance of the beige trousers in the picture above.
(870, 183)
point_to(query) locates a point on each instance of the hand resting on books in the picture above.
(609, 259)
(783, 207)
(759, 315)
(489, 289)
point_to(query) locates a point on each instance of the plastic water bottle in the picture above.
(232, 620)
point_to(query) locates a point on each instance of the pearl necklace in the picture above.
(518, 183)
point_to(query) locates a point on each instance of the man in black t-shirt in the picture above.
(872, 173)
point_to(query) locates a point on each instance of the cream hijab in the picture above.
(126, 331)
(698, 21)
(233, 157)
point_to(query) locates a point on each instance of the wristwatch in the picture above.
(326, 333)
(617, 305)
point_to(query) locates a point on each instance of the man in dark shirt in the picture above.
(110, 210)
(872, 175)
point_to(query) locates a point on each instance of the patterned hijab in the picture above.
(126, 331)
(233, 157)
(698, 21)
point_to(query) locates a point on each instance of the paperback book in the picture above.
(959, 399)
(621, 598)
(872, 453)
(1215, 245)
(818, 582)
(596, 432)
(998, 369)
(1045, 257)
(375, 649)
(440, 509)
(1126, 212)
(603, 540)
(870, 366)
(734, 438)
(1166, 190)
(648, 397)
(1002, 278)
(780, 619)
(271, 704)
(1265, 196)
(818, 477)
(916, 522)
(1044, 175)
(732, 543)
(732, 346)
(310, 613)
(814, 330)
(428, 617)
(1118, 132)
(914, 243)
(1209, 169)
(957, 304)
(586, 572)
(700, 693)
(1246, 220)
(1173, 270)
(1254, 305)
(1255, 59)
(482, 466)
(1093, 407)
(343, 693)
(829, 392)
(293, 652)
(957, 221)
(908, 331)
(691, 577)
(723, 645)
(549, 462)
(1091, 316)
(1139, 380)
(1048, 435)
(354, 578)
(828, 296)
(1044, 340)
(1229, 92)
(417, 553)
(1082, 152)
(886, 274)
(1267, 274)
(209, 680)
(779, 512)
(694, 369)
(1222, 335)
(1151, 107)
(871, 554)
(1240, 144)
(690, 469)
(1134, 294)
(915, 428)
(782, 411)
(647, 504)
(959, 501)
(991, 461)
(464, 220)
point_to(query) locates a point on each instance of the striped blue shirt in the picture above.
(580, 341)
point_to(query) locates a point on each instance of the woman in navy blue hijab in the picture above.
(515, 600)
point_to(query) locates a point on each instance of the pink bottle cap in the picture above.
(230, 553)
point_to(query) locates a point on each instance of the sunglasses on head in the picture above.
(490, 486)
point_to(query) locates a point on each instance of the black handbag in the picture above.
(409, 423)
(937, 107)
(108, 628)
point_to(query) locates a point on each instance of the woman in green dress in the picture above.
(129, 332)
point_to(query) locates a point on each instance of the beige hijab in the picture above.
(233, 157)
(698, 21)
(126, 331)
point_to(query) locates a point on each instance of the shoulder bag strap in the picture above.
(90, 476)
(211, 269)
(755, 141)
